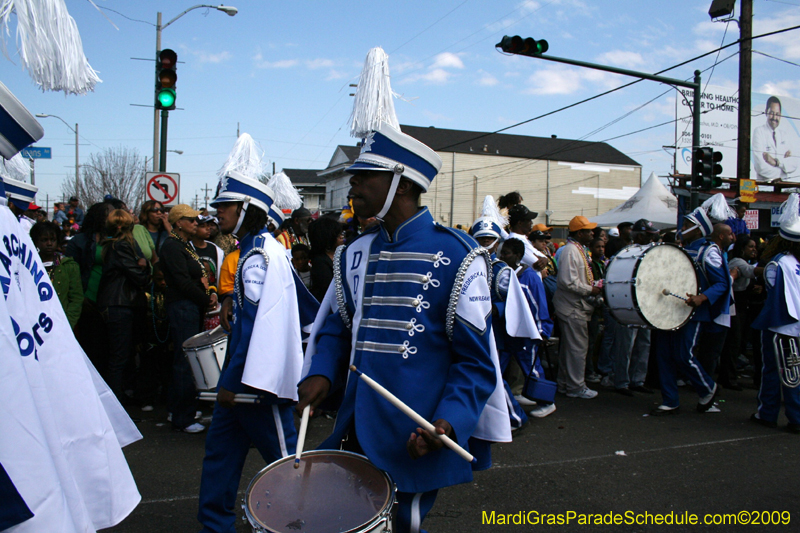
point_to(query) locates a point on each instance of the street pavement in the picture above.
(597, 456)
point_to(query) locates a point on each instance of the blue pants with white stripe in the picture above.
(675, 354)
(769, 395)
(411, 510)
(269, 427)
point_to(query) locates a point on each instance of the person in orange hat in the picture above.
(575, 284)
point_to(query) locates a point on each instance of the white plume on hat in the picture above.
(373, 103)
(790, 218)
(717, 208)
(285, 195)
(49, 45)
(491, 211)
(245, 158)
(16, 168)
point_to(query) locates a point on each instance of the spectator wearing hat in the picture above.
(74, 212)
(623, 239)
(295, 229)
(211, 256)
(575, 284)
(188, 297)
(630, 349)
(520, 222)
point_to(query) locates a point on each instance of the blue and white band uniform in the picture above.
(393, 328)
(780, 316)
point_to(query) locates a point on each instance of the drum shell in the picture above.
(631, 298)
(282, 471)
(205, 353)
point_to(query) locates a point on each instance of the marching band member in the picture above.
(400, 320)
(677, 350)
(264, 356)
(779, 322)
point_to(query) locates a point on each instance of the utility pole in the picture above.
(155, 116)
(196, 201)
(206, 191)
(745, 86)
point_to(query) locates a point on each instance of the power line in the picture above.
(430, 26)
(776, 58)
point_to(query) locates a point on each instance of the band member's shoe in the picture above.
(766, 423)
(707, 401)
(663, 410)
(543, 410)
(523, 401)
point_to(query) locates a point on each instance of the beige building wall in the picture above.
(573, 188)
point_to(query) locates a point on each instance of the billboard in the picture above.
(774, 135)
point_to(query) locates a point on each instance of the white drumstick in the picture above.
(666, 292)
(301, 438)
(413, 415)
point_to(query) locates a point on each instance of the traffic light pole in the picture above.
(162, 162)
(694, 85)
(155, 118)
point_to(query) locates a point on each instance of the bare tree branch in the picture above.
(119, 172)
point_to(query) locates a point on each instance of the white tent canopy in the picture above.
(653, 201)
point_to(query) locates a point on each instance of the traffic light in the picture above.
(525, 47)
(166, 65)
(701, 168)
(716, 170)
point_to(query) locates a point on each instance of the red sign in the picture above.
(751, 218)
(162, 187)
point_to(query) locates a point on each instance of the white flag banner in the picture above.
(83, 433)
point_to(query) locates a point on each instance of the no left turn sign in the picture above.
(162, 187)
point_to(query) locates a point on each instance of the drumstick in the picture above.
(666, 292)
(301, 438)
(413, 415)
(238, 398)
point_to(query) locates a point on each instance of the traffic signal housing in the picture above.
(166, 78)
(526, 46)
(706, 169)
(716, 170)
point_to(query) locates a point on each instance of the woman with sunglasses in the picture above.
(155, 218)
(188, 297)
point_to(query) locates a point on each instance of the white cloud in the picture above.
(486, 79)
(554, 81)
(283, 63)
(319, 63)
(621, 58)
(206, 57)
(447, 60)
(780, 88)
(335, 75)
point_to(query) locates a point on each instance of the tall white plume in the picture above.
(373, 102)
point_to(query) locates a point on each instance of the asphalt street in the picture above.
(597, 456)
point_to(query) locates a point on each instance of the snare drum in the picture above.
(206, 354)
(331, 491)
(635, 281)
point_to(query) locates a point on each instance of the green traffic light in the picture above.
(166, 97)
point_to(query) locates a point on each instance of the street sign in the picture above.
(36, 152)
(162, 187)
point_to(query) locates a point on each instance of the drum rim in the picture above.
(378, 518)
(207, 334)
(635, 299)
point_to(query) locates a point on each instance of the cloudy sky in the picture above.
(281, 72)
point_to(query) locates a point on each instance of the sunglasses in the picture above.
(158, 210)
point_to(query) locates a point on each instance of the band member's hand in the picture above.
(212, 301)
(311, 392)
(695, 300)
(226, 398)
(422, 442)
(226, 314)
(204, 281)
(596, 291)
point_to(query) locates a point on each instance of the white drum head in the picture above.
(665, 266)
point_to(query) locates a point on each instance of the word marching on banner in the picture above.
(61, 428)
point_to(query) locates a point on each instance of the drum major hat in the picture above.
(19, 193)
(790, 219)
(391, 150)
(236, 187)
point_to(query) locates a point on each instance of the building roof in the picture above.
(303, 176)
(544, 148)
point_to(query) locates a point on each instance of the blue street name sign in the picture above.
(36, 152)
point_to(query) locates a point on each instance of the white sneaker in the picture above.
(543, 410)
(523, 401)
(194, 428)
(585, 394)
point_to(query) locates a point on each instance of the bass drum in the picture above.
(636, 280)
(332, 491)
